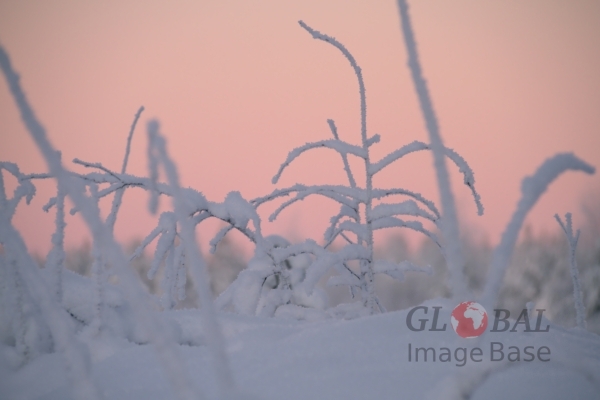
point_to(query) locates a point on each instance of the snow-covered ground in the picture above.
(364, 358)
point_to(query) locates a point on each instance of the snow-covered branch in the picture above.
(341, 147)
(345, 211)
(344, 195)
(361, 85)
(381, 193)
(116, 203)
(468, 176)
(532, 188)
(408, 207)
(25, 189)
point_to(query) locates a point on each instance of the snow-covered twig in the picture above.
(381, 193)
(468, 176)
(331, 233)
(153, 162)
(218, 237)
(334, 191)
(118, 181)
(408, 207)
(56, 258)
(95, 165)
(168, 224)
(577, 291)
(24, 189)
(361, 85)
(116, 203)
(341, 147)
(327, 191)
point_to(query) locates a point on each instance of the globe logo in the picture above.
(469, 319)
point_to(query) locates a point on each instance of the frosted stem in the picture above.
(449, 224)
(215, 340)
(532, 188)
(577, 291)
(98, 281)
(116, 204)
(56, 258)
(365, 265)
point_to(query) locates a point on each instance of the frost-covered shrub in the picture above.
(364, 207)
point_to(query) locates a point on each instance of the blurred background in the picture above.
(237, 85)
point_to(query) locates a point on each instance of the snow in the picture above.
(271, 333)
(328, 359)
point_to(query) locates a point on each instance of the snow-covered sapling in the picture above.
(362, 210)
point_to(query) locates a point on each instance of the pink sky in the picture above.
(236, 85)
